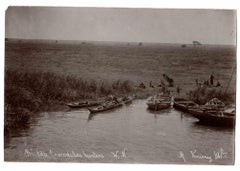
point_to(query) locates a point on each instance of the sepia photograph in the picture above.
(120, 85)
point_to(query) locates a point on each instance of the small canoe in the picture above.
(84, 104)
(110, 105)
(184, 104)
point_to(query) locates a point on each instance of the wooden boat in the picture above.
(214, 117)
(184, 104)
(110, 105)
(84, 104)
(159, 102)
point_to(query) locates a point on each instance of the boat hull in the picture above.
(159, 106)
(101, 108)
(82, 105)
(184, 105)
(218, 118)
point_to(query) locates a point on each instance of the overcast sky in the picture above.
(127, 25)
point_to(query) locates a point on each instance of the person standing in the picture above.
(211, 79)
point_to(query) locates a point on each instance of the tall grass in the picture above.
(32, 90)
(202, 95)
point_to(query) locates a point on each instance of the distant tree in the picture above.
(183, 46)
(196, 43)
(140, 44)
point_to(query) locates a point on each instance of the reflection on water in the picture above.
(128, 134)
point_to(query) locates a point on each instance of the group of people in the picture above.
(209, 82)
(164, 81)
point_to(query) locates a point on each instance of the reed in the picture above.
(202, 95)
(32, 90)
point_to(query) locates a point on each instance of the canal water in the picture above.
(130, 134)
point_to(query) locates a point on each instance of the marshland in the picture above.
(41, 76)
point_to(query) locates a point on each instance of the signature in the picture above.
(218, 154)
(119, 154)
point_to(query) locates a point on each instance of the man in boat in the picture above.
(115, 99)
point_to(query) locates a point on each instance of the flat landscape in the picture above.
(137, 62)
(52, 73)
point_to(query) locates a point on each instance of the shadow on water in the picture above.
(212, 126)
(159, 112)
(15, 131)
(92, 115)
(196, 124)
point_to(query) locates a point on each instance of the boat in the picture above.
(184, 104)
(159, 102)
(84, 104)
(214, 117)
(110, 105)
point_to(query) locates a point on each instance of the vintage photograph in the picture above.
(120, 85)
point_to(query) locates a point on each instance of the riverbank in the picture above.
(26, 93)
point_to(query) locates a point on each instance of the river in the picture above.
(130, 134)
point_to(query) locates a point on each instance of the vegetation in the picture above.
(29, 91)
(202, 95)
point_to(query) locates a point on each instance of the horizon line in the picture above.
(190, 43)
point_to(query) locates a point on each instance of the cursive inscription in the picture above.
(119, 154)
(218, 154)
(54, 155)
(197, 155)
(181, 156)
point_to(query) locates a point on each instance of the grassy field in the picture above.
(49, 67)
(125, 61)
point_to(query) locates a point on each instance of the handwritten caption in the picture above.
(218, 154)
(51, 154)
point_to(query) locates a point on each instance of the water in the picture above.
(130, 134)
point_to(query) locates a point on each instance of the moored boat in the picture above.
(159, 102)
(84, 104)
(216, 117)
(110, 105)
(184, 104)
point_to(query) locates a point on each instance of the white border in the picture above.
(195, 4)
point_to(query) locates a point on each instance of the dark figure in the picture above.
(218, 84)
(164, 89)
(178, 89)
(206, 83)
(115, 99)
(196, 81)
(211, 79)
(168, 80)
(142, 85)
(150, 84)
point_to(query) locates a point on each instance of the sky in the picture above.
(122, 25)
